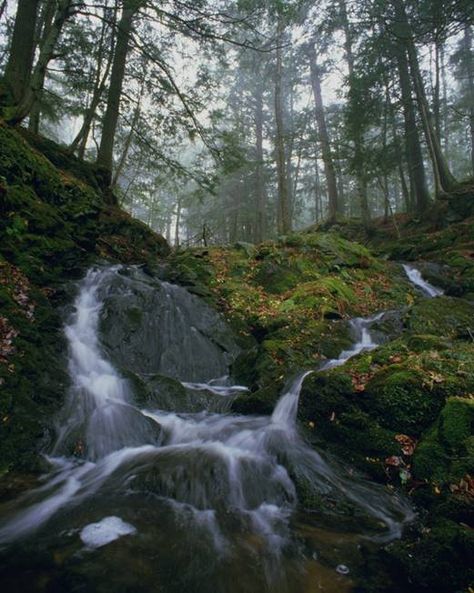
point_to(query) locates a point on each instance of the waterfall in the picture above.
(227, 480)
(417, 279)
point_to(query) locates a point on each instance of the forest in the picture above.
(241, 120)
(236, 296)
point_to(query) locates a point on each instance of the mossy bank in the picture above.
(402, 413)
(56, 220)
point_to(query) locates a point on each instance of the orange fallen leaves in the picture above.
(407, 443)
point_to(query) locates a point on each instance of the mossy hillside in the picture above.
(442, 249)
(53, 225)
(290, 299)
(399, 388)
(451, 249)
(405, 416)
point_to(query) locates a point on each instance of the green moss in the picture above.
(443, 316)
(260, 402)
(431, 461)
(400, 402)
(54, 223)
(439, 561)
(456, 422)
(445, 453)
(425, 342)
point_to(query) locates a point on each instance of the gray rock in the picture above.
(152, 327)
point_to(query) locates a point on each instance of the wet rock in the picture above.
(145, 327)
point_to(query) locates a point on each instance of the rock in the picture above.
(145, 328)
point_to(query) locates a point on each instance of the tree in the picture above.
(444, 179)
(283, 216)
(109, 123)
(329, 170)
(20, 62)
(35, 87)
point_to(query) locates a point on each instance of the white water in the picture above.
(364, 341)
(220, 386)
(96, 535)
(207, 467)
(417, 279)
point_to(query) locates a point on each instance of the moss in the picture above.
(275, 277)
(431, 461)
(445, 453)
(260, 402)
(425, 342)
(54, 223)
(456, 422)
(443, 316)
(400, 401)
(441, 561)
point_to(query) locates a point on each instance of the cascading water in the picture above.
(364, 341)
(417, 279)
(222, 488)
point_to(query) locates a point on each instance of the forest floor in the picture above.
(402, 414)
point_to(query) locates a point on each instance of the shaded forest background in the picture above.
(217, 121)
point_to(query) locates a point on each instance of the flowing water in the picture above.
(152, 498)
(417, 279)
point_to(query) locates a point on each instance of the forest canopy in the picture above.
(218, 121)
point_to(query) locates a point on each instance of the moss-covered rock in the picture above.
(439, 560)
(442, 316)
(55, 221)
(446, 454)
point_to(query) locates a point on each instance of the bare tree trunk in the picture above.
(47, 21)
(437, 91)
(445, 134)
(414, 156)
(20, 61)
(260, 226)
(283, 209)
(178, 222)
(128, 142)
(80, 141)
(329, 170)
(318, 207)
(444, 179)
(46, 53)
(109, 124)
(467, 46)
(358, 161)
(168, 229)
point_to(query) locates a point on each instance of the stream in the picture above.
(147, 496)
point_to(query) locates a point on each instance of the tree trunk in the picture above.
(46, 53)
(109, 124)
(444, 180)
(178, 222)
(326, 154)
(318, 209)
(437, 91)
(445, 112)
(80, 141)
(467, 46)
(283, 210)
(260, 226)
(414, 156)
(128, 143)
(357, 139)
(20, 61)
(47, 21)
